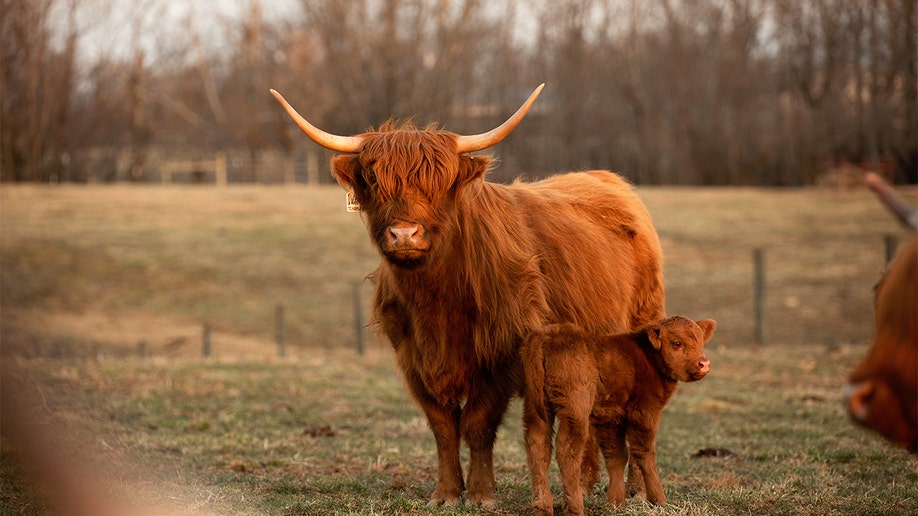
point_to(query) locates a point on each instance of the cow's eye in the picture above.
(677, 344)
(369, 176)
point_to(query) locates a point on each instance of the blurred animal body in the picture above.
(619, 384)
(469, 267)
(882, 393)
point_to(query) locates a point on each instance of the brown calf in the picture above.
(620, 384)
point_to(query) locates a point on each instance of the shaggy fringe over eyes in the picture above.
(425, 158)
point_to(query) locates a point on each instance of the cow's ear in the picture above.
(346, 169)
(471, 168)
(655, 335)
(707, 326)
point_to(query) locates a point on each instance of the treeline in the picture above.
(711, 92)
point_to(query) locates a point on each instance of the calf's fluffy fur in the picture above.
(619, 384)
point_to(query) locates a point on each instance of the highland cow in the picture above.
(470, 267)
(882, 394)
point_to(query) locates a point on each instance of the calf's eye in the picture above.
(677, 344)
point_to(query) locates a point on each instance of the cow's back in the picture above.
(597, 249)
(896, 315)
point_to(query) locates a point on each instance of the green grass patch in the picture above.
(336, 434)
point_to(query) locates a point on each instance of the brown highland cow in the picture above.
(882, 394)
(617, 383)
(468, 268)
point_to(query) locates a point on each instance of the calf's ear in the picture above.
(707, 326)
(345, 169)
(655, 335)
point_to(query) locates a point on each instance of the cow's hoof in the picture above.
(436, 500)
(485, 501)
(446, 502)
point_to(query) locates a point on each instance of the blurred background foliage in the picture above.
(707, 92)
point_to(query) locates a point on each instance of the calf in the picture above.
(617, 383)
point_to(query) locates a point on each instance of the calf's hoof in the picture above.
(573, 511)
(616, 499)
(657, 500)
(635, 491)
(542, 508)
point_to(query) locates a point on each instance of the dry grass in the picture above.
(86, 273)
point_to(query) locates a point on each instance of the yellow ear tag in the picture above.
(352, 204)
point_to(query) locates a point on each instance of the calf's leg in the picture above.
(537, 433)
(643, 450)
(589, 471)
(573, 434)
(614, 450)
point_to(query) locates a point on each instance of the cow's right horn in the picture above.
(494, 136)
(327, 140)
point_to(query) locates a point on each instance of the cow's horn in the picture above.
(494, 136)
(896, 204)
(327, 140)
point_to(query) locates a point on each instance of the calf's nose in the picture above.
(704, 365)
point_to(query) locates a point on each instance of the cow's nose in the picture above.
(405, 235)
(704, 365)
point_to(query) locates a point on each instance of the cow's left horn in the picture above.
(494, 136)
(327, 140)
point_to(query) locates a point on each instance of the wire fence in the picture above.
(807, 293)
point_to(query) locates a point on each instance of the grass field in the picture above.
(89, 272)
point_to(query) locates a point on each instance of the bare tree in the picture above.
(37, 84)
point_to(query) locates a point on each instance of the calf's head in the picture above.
(407, 181)
(680, 342)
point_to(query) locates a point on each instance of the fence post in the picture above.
(358, 316)
(280, 331)
(891, 244)
(205, 340)
(220, 168)
(758, 259)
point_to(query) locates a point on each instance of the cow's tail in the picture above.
(531, 354)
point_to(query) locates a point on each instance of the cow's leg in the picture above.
(538, 433)
(444, 423)
(643, 451)
(483, 412)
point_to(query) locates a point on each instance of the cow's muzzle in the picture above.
(406, 235)
(406, 242)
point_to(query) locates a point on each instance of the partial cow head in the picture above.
(407, 180)
(680, 342)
